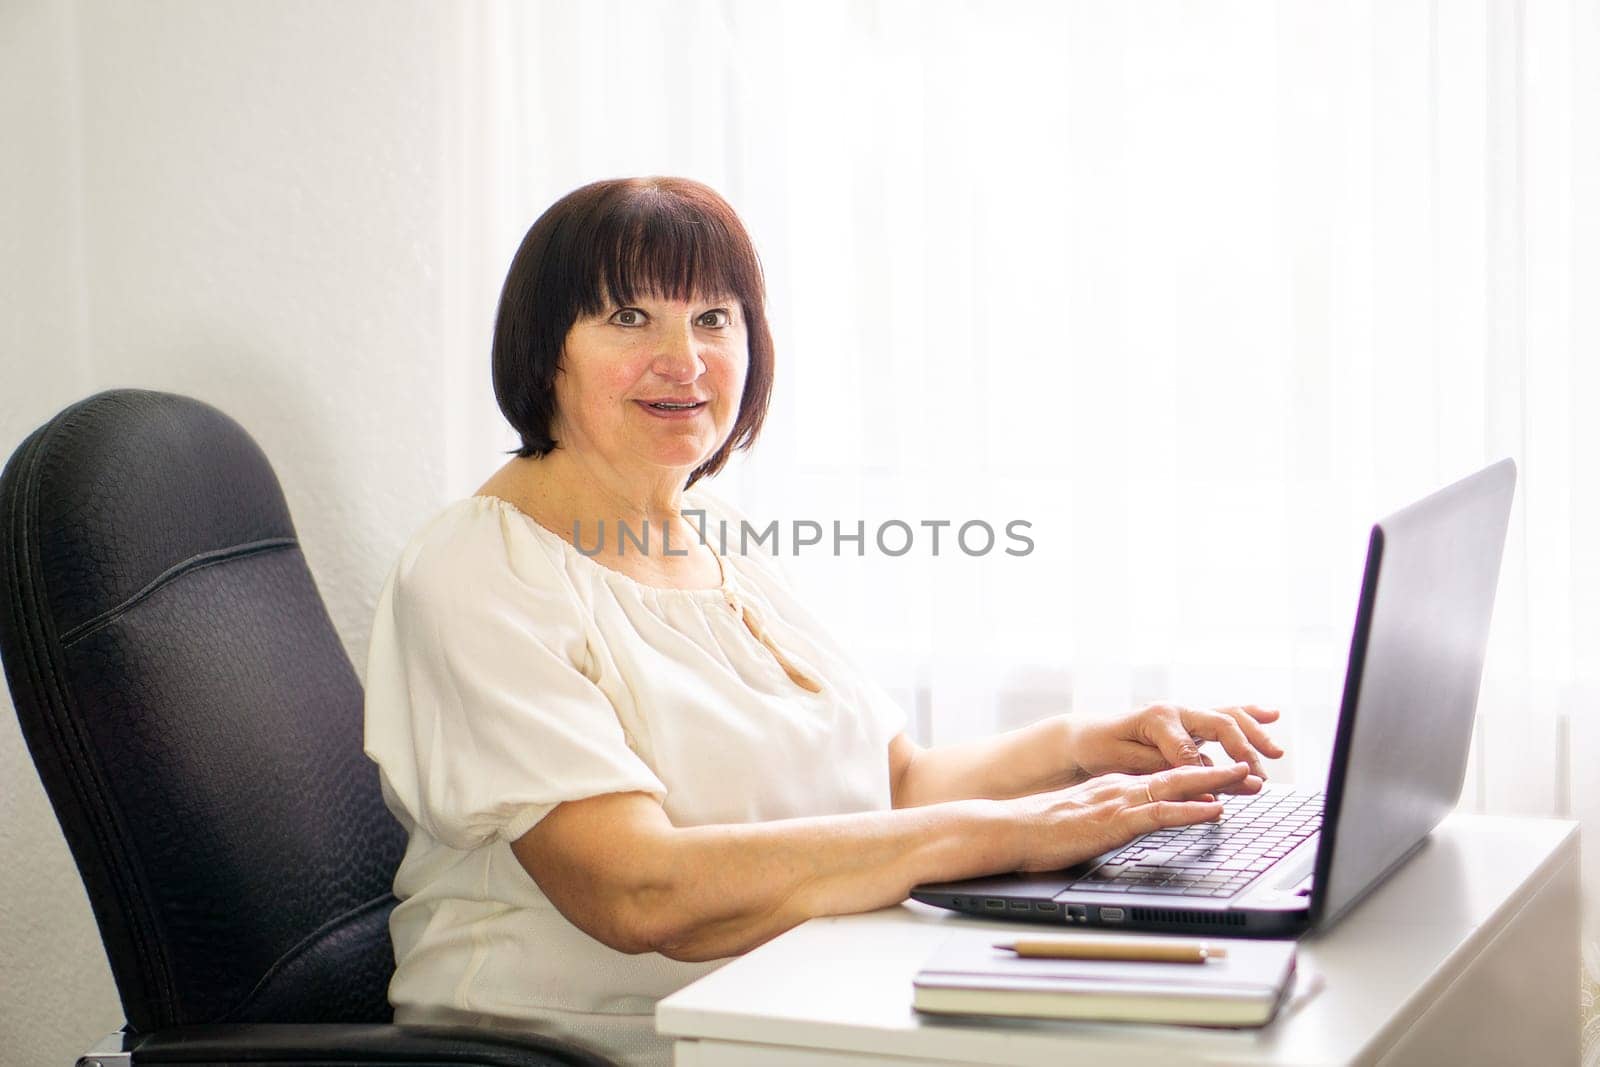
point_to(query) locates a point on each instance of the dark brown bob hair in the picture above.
(614, 241)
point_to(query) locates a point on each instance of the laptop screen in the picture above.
(1411, 687)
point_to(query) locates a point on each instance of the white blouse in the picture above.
(509, 672)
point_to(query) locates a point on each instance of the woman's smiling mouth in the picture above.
(673, 409)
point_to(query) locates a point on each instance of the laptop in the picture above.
(1287, 861)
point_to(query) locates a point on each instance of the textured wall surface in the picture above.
(245, 203)
(56, 993)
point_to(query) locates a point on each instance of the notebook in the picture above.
(967, 975)
(1287, 861)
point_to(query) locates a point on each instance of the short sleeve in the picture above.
(477, 712)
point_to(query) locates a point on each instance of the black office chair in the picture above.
(197, 727)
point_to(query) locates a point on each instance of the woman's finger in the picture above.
(1167, 814)
(1166, 731)
(1225, 729)
(1185, 783)
(1237, 744)
(1249, 718)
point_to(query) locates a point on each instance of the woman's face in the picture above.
(620, 369)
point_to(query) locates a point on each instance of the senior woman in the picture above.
(621, 761)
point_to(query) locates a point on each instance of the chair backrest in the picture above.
(194, 718)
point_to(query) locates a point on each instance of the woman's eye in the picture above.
(717, 318)
(628, 317)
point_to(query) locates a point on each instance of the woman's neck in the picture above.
(572, 495)
(598, 490)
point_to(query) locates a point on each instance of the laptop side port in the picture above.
(1112, 915)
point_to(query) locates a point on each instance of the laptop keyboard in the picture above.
(1212, 859)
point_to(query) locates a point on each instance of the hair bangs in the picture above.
(665, 245)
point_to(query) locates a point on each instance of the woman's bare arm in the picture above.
(1030, 759)
(618, 869)
(1064, 750)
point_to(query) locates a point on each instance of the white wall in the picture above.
(252, 204)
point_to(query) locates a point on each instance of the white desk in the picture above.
(1469, 954)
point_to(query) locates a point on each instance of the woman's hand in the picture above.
(1067, 826)
(1159, 736)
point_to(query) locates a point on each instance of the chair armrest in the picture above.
(371, 1045)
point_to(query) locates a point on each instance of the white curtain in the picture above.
(1198, 291)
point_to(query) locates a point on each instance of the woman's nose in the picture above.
(678, 358)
